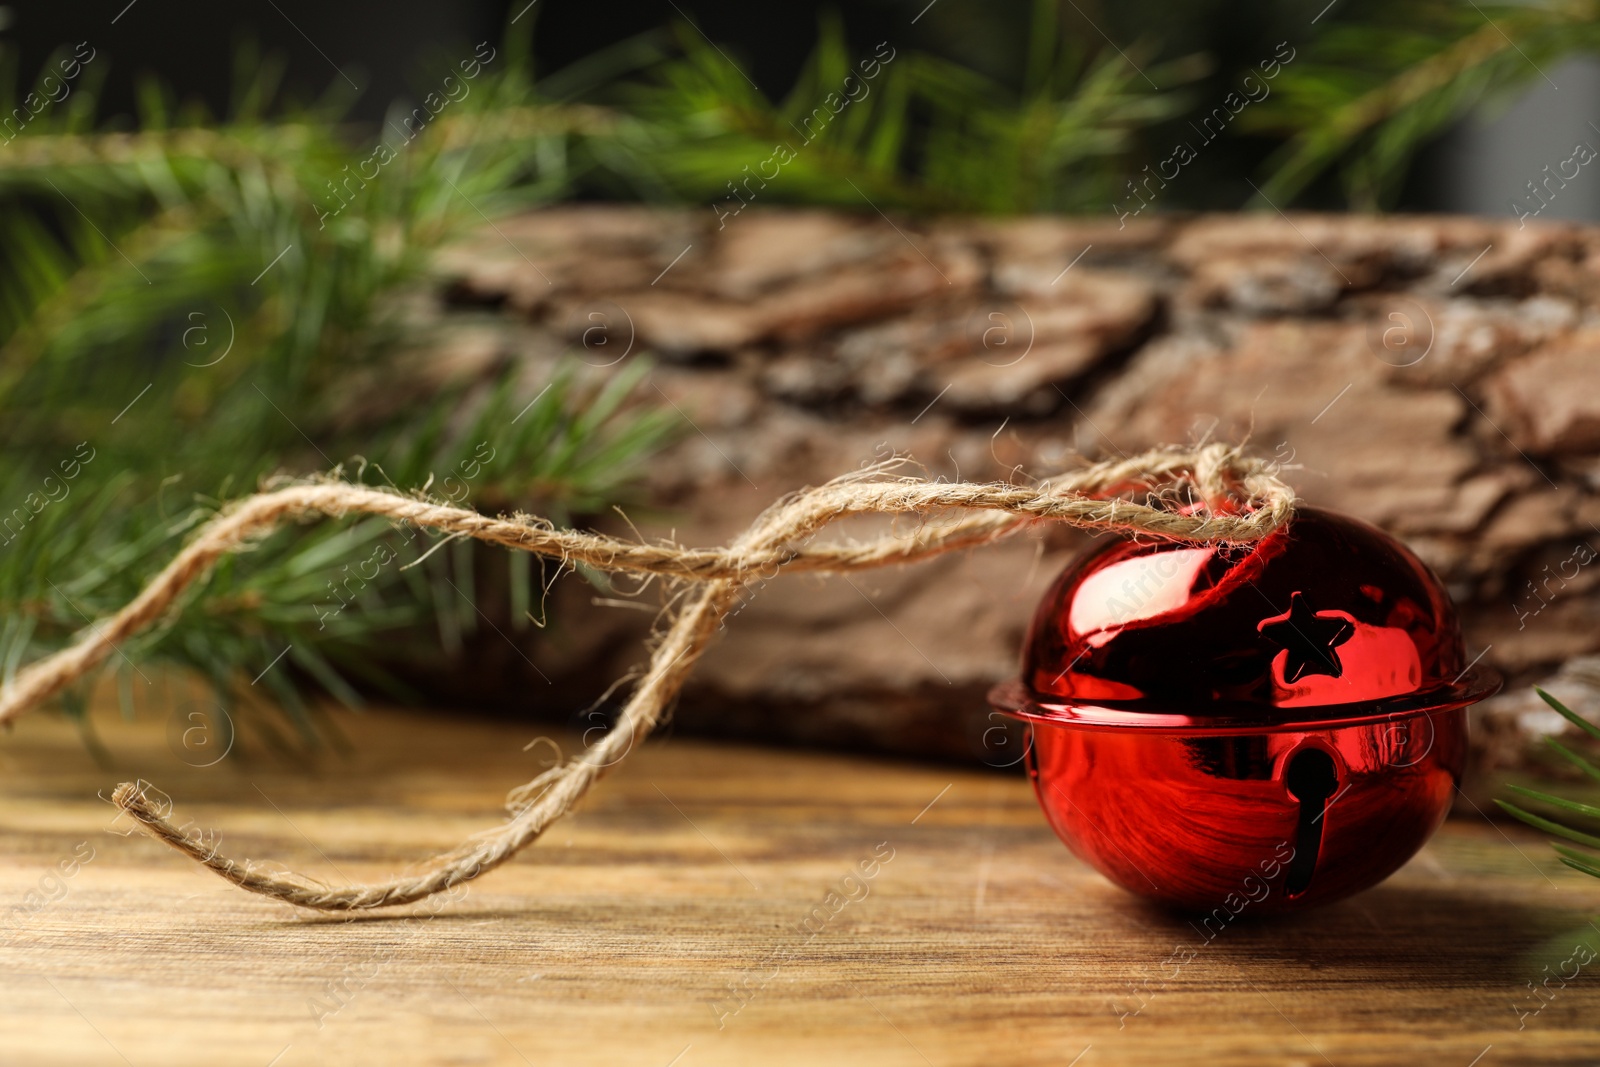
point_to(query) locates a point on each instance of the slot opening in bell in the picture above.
(1312, 779)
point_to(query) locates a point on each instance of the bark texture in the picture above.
(1439, 377)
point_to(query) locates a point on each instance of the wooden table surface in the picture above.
(663, 924)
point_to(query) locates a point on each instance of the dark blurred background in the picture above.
(376, 52)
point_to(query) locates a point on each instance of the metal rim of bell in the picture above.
(1017, 700)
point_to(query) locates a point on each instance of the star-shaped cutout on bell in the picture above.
(1309, 637)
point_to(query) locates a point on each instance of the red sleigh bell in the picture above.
(1252, 727)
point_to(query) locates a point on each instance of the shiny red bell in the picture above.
(1249, 727)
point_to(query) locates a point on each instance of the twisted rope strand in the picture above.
(778, 539)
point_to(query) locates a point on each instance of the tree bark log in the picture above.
(1439, 377)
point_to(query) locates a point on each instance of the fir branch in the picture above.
(1367, 96)
(114, 239)
(1580, 861)
(903, 129)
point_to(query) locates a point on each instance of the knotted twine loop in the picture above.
(1243, 499)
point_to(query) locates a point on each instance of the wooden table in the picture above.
(664, 924)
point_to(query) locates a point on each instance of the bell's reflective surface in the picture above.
(1251, 727)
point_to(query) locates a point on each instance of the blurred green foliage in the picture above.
(896, 128)
(1586, 859)
(1054, 105)
(194, 305)
(1368, 94)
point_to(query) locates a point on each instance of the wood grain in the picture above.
(690, 871)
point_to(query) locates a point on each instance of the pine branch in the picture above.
(903, 129)
(311, 249)
(1366, 97)
(1586, 862)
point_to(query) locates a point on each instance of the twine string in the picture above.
(1240, 499)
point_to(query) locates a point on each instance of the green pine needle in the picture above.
(1567, 713)
(1588, 868)
(1548, 825)
(1580, 861)
(1588, 810)
(1573, 758)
